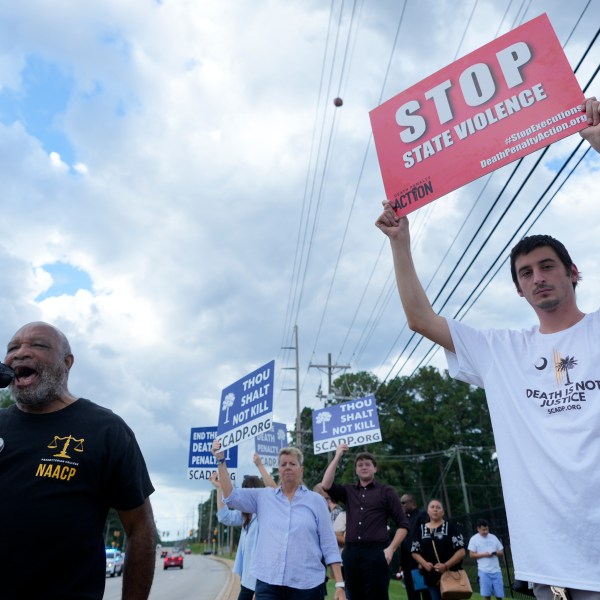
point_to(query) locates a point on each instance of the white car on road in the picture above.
(114, 562)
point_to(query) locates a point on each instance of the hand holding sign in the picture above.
(592, 112)
(392, 225)
(223, 473)
(216, 450)
(341, 449)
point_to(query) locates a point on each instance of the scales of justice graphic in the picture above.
(78, 447)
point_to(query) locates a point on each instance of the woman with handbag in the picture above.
(438, 547)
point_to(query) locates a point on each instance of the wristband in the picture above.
(340, 584)
(220, 460)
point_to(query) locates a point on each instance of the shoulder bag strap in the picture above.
(435, 550)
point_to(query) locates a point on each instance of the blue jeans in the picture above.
(434, 592)
(267, 591)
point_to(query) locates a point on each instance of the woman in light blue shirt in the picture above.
(244, 557)
(295, 540)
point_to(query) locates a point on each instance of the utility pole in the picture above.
(462, 480)
(297, 388)
(330, 368)
(199, 523)
(209, 531)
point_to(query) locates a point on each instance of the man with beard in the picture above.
(64, 461)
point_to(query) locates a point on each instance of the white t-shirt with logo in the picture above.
(486, 543)
(543, 393)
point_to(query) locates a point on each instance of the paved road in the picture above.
(202, 578)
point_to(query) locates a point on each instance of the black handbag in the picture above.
(522, 587)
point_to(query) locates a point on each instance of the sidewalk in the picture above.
(231, 589)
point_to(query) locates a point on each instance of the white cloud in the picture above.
(192, 130)
(57, 162)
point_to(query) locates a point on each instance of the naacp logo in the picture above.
(61, 465)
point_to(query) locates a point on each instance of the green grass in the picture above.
(397, 591)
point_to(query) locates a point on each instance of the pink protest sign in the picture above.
(510, 97)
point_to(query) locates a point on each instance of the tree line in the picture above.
(437, 441)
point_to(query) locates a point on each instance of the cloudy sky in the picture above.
(179, 191)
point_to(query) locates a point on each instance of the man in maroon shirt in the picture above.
(369, 505)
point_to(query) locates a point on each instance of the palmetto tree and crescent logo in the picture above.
(562, 366)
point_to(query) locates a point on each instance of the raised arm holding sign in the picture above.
(295, 537)
(542, 385)
(244, 557)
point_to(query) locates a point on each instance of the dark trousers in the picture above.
(245, 593)
(267, 591)
(366, 571)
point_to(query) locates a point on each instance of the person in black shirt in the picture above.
(369, 505)
(416, 517)
(438, 546)
(64, 461)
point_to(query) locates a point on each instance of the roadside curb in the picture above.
(231, 589)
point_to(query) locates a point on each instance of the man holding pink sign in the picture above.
(543, 391)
